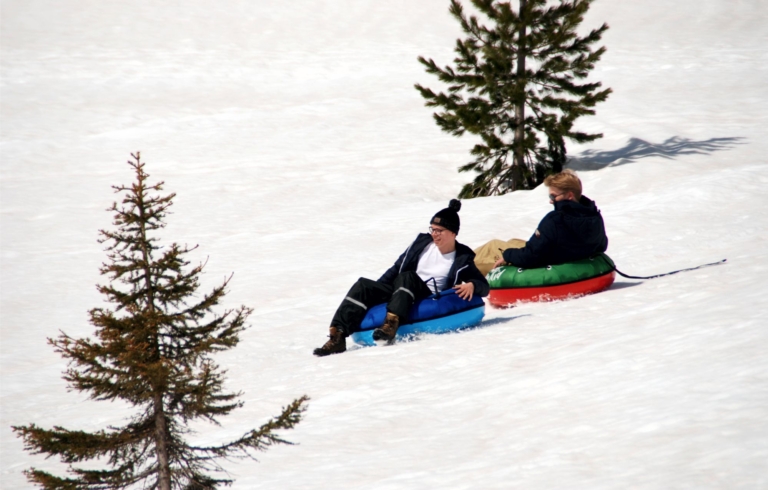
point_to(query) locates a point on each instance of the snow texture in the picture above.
(303, 158)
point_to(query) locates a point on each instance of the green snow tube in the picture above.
(511, 284)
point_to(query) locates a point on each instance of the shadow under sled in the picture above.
(439, 313)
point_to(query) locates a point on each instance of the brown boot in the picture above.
(335, 345)
(388, 330)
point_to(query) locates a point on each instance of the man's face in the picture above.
(556, 195)
(441, 235)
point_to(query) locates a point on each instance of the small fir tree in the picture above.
(515, 84)
(153, 350)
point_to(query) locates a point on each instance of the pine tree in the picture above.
(516, 85)
(152, 350)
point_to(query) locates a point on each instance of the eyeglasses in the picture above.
(553, 197)
(436, 231)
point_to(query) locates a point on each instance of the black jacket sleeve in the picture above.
(537, 249)
(390, 274)
(473, 275)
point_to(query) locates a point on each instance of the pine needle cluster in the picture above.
(152, 350)
(517, 84)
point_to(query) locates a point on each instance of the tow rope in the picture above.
(667, 273)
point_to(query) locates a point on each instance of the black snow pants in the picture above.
(407, 288)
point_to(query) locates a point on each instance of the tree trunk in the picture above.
(161, 445)
(161, 425)
(520, 107)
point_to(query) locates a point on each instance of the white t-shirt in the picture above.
(433, 264)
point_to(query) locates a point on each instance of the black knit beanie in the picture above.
(449, 217)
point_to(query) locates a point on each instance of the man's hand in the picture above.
(499, 262)
(465, 290)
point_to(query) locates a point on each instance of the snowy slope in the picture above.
(303, 159)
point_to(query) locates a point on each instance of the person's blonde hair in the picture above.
(566, 181)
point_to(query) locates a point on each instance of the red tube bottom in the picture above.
(502, 298)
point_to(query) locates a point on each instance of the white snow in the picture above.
(303, 158)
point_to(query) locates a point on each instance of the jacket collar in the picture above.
(583, 206)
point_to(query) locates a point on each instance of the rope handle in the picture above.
(434, 282)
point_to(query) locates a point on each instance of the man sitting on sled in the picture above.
(433, 262)
(573, 231)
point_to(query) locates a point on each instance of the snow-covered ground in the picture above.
(303, 158)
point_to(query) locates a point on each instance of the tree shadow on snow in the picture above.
(637, 149)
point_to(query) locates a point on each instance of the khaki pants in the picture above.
(487, 255)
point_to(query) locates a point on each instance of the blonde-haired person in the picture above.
(573, 231)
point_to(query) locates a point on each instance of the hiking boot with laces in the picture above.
(388, 330)
(335, 345)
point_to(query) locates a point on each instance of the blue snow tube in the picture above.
(439, 313)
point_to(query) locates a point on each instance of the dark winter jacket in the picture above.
(573, 231)
(462, 270)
